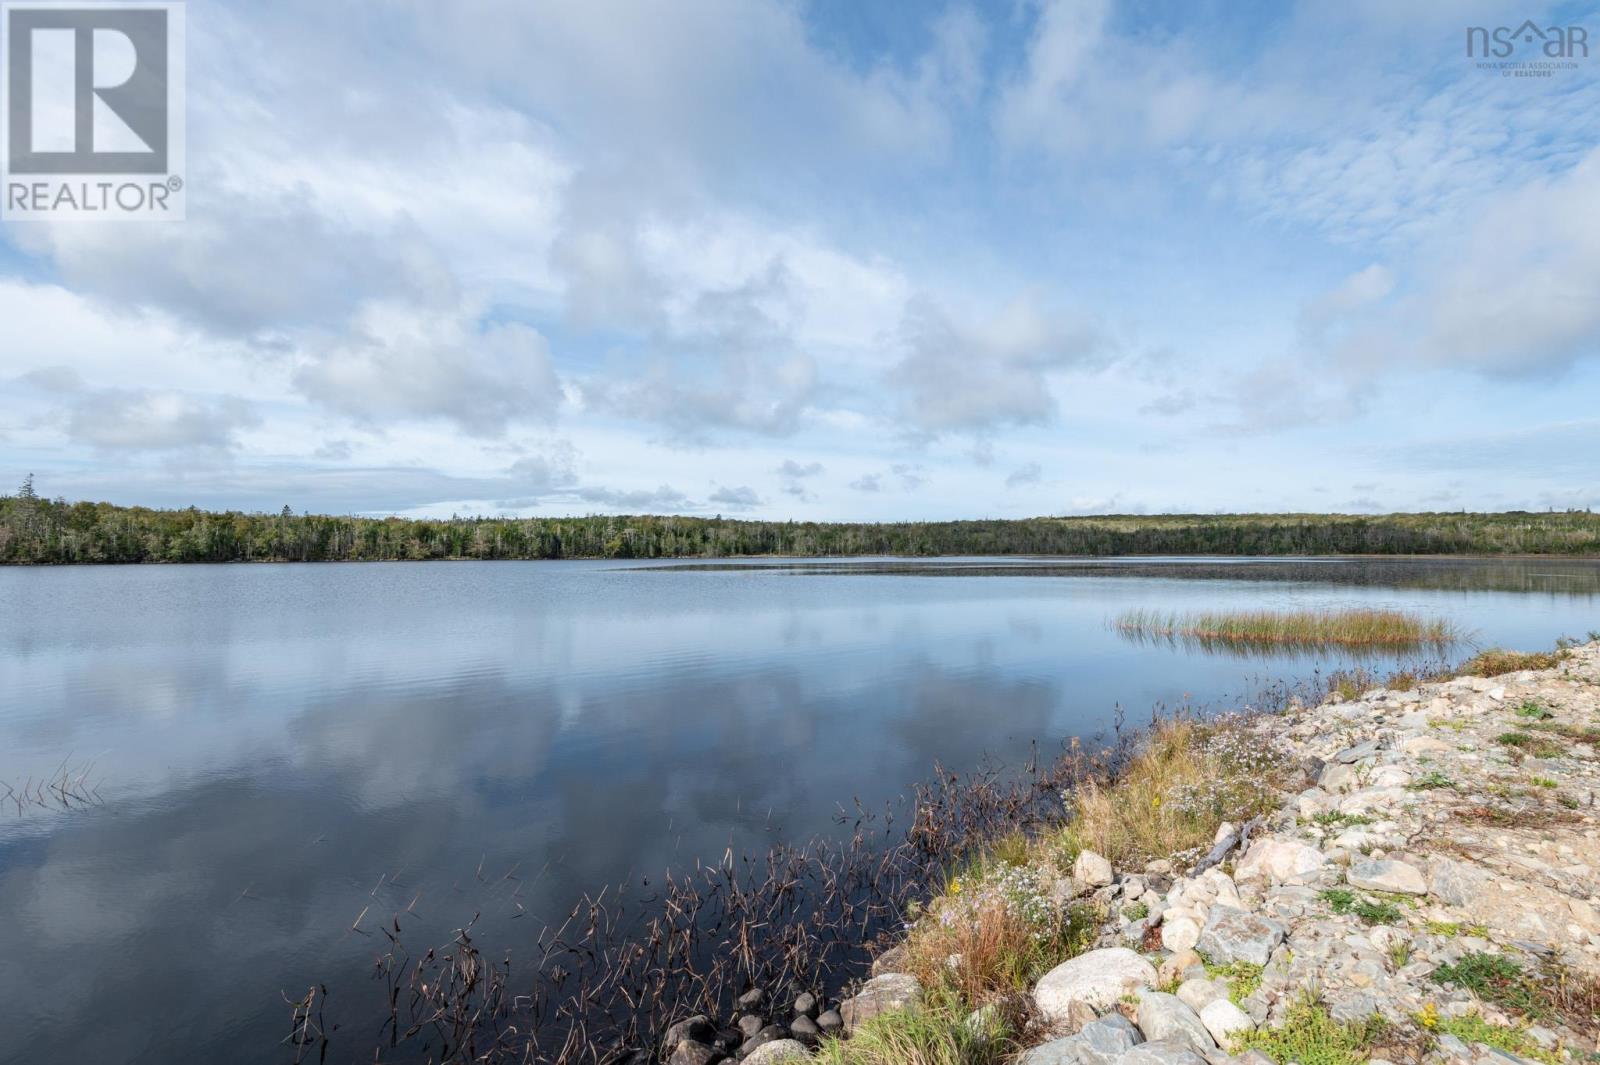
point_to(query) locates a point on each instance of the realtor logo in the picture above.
(93, 110)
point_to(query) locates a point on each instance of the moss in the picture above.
(1243, 977)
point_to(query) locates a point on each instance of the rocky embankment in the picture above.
(1429, 891)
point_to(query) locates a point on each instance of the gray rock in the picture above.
(805, 1005)
(890, 991)
(1055, 1052)
(1097, 977)
(697, 1028)
(1107, 1039)
(751, 1023)
(689, 1052)
(830, 1022)
(805, 1029)
(770, 1034)
(1233, 935)
(777, 1050)
(1162, 1052)
(1456, 883)
(892, 960)
(1388, 875)
(1165, 1017)
(751, 1000)
(1354, 754)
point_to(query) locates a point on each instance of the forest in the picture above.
(43, 531)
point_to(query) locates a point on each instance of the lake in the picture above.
(259, 753)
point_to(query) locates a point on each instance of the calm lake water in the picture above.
(277, 748)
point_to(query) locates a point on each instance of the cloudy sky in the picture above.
(830, 259)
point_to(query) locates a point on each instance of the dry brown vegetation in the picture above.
(1307, 628)
(1494, 662)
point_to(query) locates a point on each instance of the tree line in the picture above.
(42, 531)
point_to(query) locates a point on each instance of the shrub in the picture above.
(1493, 663)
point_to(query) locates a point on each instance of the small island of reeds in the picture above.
(1353, 628)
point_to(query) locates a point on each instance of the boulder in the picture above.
(1224, 1020)
(830, 1022)
(1279, 859)
(1233, 935)
(1165, 1017)
(1196, 993)
(697, 1028)
(1092, 870)
(1388, 875)
(890, 991)
(805, 1005)
(1055, 1052)
(689, 1052)
(751, 1023)
(1162, 1052)
(777, 1050)
(805, 1029)
(1180, 933)
(1098, 977)
(1107, 1039)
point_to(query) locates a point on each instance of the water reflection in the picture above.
(280, 748)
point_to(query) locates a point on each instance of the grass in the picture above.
(1577, 733)
(1494, 977)
(1334, 818)
(1372, 911)
(1316, 628)
(1311, 1036)
(1431, 780)
(1472, 1028)
(1527, 743)
(935, 1033)
(1457, 928)
(1535, 710)
(1554, 991)
(1003, 931)
(1171, 796)
(1244, 978)
(1494, 663)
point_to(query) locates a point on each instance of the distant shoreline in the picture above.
(41, 531)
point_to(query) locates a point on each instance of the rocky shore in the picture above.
(1424, 888)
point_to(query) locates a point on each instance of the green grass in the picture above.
(1494, 977)
(1136, 912)
(1310, 1036)
(1244, 978)
(1372, 911)
(1457, 928)
(1333, 819)
(1316, 628)
(1527, 743)
(935, 1033)
(1533, 709)
(1474, 1029)
(1431, 780)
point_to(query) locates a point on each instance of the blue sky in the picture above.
(834, 260)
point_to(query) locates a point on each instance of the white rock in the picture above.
(1388, 876)
(1279, 859)
(1196, 994)
(1092, 869)
(1179, 934)
(1224, 1020)
(1098, 977)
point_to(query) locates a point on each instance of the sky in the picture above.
(834, 260)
